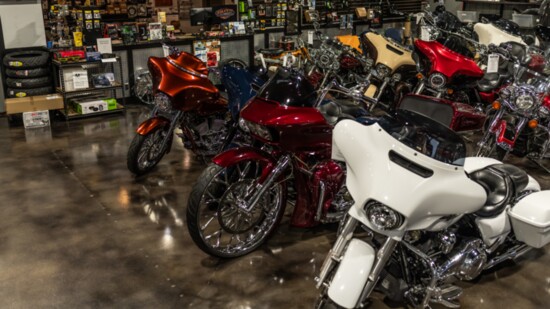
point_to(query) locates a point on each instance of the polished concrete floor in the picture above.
(78, 231)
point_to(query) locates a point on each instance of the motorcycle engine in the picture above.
(465, 261)
(209, 133)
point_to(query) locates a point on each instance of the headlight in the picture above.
(382, 70)
(243, 125)
(383, 217)
(525, 101)
(256, 129)
(163, 102)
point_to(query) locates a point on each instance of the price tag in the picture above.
(166, 50)
(285, 60)
(492, 63)
(310, 37)
(425, 33)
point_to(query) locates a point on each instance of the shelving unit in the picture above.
(501, 4)
(91, 68)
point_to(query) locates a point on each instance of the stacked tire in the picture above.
(28, 73)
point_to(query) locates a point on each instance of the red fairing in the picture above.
(447, 62)
(298, 129)
(466, 118)
(308, 189)
(537, 63)
(189, 91)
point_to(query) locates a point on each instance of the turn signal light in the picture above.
(496, 105)
(419, 76)
(450, 91)
(533, 123)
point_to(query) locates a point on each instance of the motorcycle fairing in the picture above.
(457, 116)
(447, 62)
(238, 84)
(298, 129)
(389, 53)
(371, 175)
(188, 91)
(490, 34)
(350, 40)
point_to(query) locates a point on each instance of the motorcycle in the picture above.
(239, 199)
(431, 214)
(185, 98)
(393, 66)
(520, 120)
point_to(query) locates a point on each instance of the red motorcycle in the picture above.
(184, 97)
(444, 71)
(238, 201)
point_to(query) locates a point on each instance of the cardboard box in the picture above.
(91, 107)
(33, 104)
(68, 75)
(36, 119)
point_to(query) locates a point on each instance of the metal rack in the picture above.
(91, 68)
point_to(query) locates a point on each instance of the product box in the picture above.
(32, 104)
(90, 107)
(36, 119)
(68, 77)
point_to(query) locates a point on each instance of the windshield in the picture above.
(426, 136)
(459, 45)
(289, 88)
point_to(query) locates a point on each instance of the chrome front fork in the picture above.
(335, 254)
(279, 168)
(173, 123)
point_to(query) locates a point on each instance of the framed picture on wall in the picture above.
(163, 2)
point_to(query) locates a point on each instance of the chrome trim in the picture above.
(172, 62)
(282, 164)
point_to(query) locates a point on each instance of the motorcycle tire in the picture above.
(30, 73)
(26, 59)
(37, 82)
(213, 197)
(234, 62)
(28, 92)
(144, 152)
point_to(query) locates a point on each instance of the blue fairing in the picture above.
(238, 84)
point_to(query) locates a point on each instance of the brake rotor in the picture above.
(233, 218)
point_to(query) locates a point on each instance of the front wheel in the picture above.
(216, 220)
(145, 151)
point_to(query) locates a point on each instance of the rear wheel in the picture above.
(215, 221)
(145, 151)
(234, 62)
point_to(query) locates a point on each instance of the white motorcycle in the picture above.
(433, 216)
(499, 32)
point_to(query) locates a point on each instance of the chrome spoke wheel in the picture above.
(151, 149)
(218, 220)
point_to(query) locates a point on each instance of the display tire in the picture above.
(21, 83)
(26, 59)
(28, 73)
(28, 92)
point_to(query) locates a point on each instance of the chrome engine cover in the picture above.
(466, 262)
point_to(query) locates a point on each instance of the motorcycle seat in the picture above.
(489, 82)
(502, 182)
(271, 51)
(336, 110)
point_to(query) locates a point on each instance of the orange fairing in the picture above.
(184, 79)
(350, 40)
(389, 53)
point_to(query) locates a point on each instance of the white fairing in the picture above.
(489, 34)
(371, 175)
(352, 274)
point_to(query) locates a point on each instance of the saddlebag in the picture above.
(531, 219)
